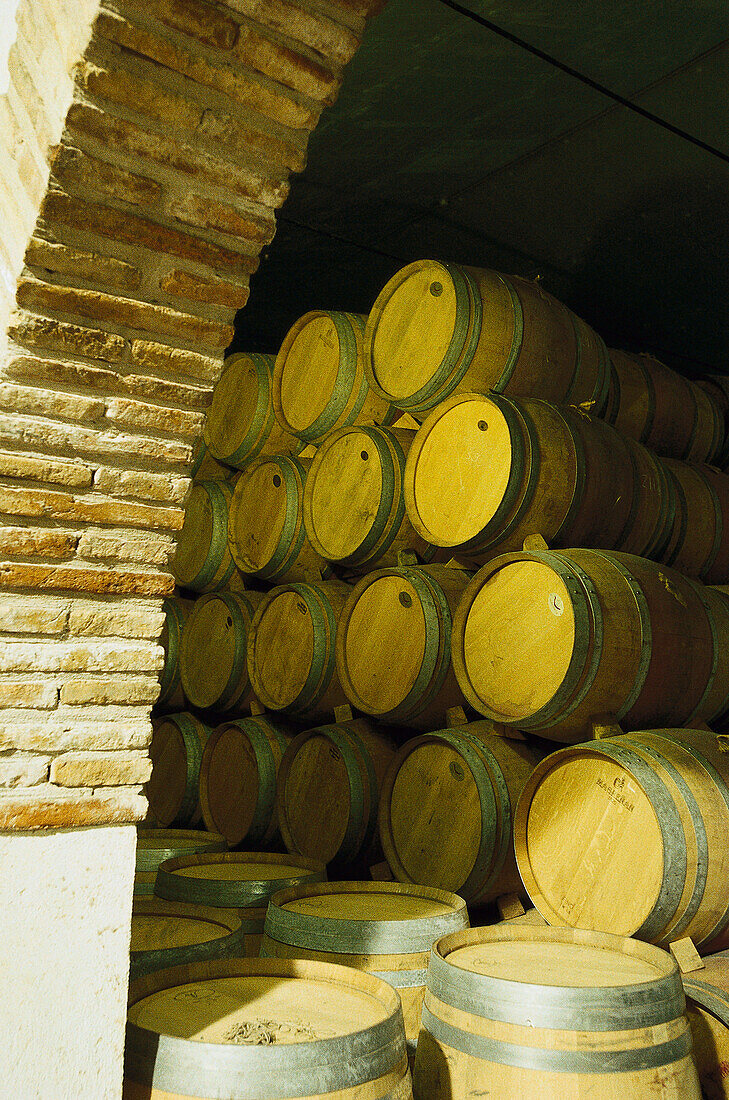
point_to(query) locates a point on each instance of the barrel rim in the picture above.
(254, 435)
(194, 734)
(292, 536)
(239, 893)
(216, 843)
(206, 579)
(237, 686)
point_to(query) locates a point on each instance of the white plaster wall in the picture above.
(65, 899)
(8, 34)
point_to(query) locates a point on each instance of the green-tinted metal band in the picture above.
(646, 639)
(239, 668)
(194, 735)
(563, 532)
(381, 438)
(344, 739)
(682, 511)
(718, 528)
(232, 946)
(149, 859)
(263, 416)
(672, 837)
(266, 796)
(710, 997)
(218, 540)
(669, 494)
(557, 1061)
(170, 676)
(289, 544)
(198, 454)
(517, 338)
(699, 710)
(505, 833)
(324, 629)
(436, 657)
(224, 893)
(343, 383)
(361, 937)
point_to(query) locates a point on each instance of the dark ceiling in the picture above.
(447, 141)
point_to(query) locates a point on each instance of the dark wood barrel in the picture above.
(707, 1008)
(171, 933)
(202, 559)
(176, 611)
(213, 665)
(154, 846)
(699, 544)
(176, 750)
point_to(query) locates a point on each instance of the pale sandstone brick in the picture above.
(98, 769)
(195, 18)
(80, 172)
(26, 369)
(33, 614)
(49, 807)
(109, 309)
(127, 546)
(136, 483)
(37, 468)
(130, 140)
(158, 418)
(146, 353)
(23, 770)
(55, 436)
(103, 690)
(93, 508)
(287, 65)
(206, 213)
(61, 259)
(80, 656)
(124, 226)
(182, 284)
(37, 694)
(125, 619)
(45, 732)
(160, 389)
(39, 402)
(77, 579)
(44, 332)
(333, 41)
(40, 542)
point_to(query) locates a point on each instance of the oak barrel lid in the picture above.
(158, 924)
(240, 879)
(281, 648)
(258, 513)
(237, 779)
(193, 541)
(240, 402)
(315, 799)
(156, 845)
(308, 367)
(461, 469)
(214, 646)
(343, 493)
(171, 778)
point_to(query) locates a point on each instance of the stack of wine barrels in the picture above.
(452, 609)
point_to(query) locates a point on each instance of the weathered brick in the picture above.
(183, 284)
(37, 694)
(23, 368)
(98, 769)
(286, 65)
(49, 807)
(57, 731)
(55, 436)
(109, 309)
(118, 85)
(129, 139)
(158, 418)
(78, 656)
(240, 86)
(195, 18)
(78, 171)
(229, 132)
(33, 614)
(61, 259)
(124, 226)
(44, 332)
(73, 579)
(176, 393)
(53, 504)
(104, 690)
(206, 213)
(176, 361)
(41, 542)
(68, 406)
(139, 484)
(37, 468)
(330, 39)
(143, 549)
(124, 619)
(23, 770)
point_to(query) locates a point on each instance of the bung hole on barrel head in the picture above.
(276, 480)
(406, 600)
(364, 456)
(482, 425)
(229, 621)
(436, 289)
(456, 770)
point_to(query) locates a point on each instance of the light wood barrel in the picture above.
(547, 641)
(437, 329)
(628, 835)
(672, 415)
(707, 1007)
(291, 649)
(238, 779)
(202, 559)
(470, 775)
(176, 611)
(276, 1028)
(354, 508)
(154, 846)
(393, 644)
(319, 382)
(266, 532)
(553, 1013)
(176, 750)
(170, 933)
(699, 545)
(213, 665)
(385, 928)
(204, 466)
(486, 471)
(329, 786)
(240, 424)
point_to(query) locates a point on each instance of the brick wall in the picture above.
(170, 129)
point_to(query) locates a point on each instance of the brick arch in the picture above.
(146, 146)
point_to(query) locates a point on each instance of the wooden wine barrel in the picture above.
(238, 779)
(154, 846)
(547, 641)
(275, 1028)
(393, 644)
(266, 533)
(668, 413)
(470, 775)
(319, 382)
(553, 1013)
(291, 649)
(204, 466)
(171, 933)
(486, 471)
(213, 666)
(699, 545)
(329, 786)
(176, 611)
(438, 329)
(176, 750)
(240, 424)
(707, 1008)
(385, 928)
(202, 560)
(628, 835)
(354, 508)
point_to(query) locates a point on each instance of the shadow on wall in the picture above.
(656, 277)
